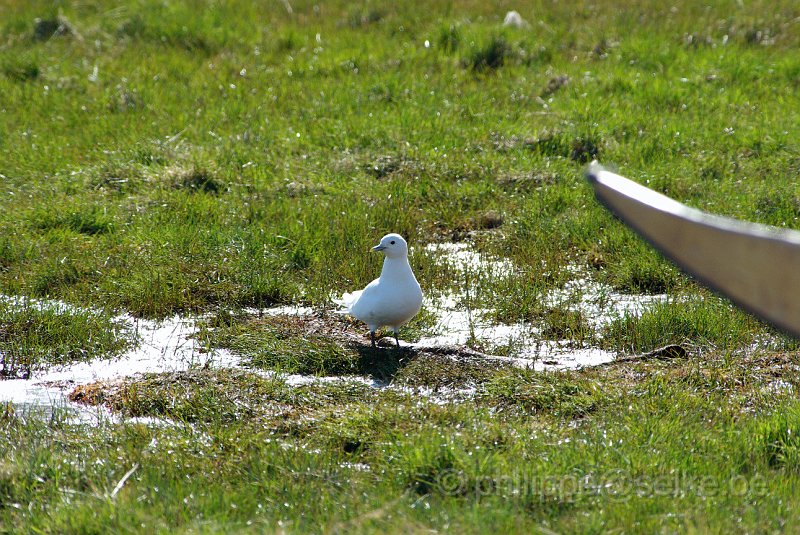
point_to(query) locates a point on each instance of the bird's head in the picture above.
(393, 246)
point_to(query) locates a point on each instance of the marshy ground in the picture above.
(186, 185)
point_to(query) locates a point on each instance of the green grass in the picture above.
(620, 448)
(258, 153)
(33, 336)
(223, 152)
(708, 322)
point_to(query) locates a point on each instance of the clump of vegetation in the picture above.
(383, 166)
(554, 85)
(282, 344)
(490, 56)
(21, 69)
(759, 36)
(133, 26)
(449, 38)
(490, 219)
(710, 323)
(200, 180)
(565, 324)
(92, 221)
(775, 438)
(445, 371)
(568, 397)
(359, 16)
(647, 274)
(34, 337)
(584, 149)
(44, 29)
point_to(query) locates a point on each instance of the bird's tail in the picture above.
(347, 301)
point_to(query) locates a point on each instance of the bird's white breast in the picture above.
(391, 300)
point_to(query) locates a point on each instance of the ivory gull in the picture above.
(392, 299)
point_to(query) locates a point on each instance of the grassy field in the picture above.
(205, 158)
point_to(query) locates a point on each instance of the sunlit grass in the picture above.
(603, 447)
(34, 336)
(209, 152)
(259, 151)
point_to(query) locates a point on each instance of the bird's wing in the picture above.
(349, 299)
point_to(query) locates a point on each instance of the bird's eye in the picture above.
(392, 242)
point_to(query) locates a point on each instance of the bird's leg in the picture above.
(372, 337)
(395, 338)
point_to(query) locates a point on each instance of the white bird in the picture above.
(392, 299)
(515, 20)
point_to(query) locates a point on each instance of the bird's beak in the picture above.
(379, 247)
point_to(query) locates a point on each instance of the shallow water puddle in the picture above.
(163, 346)
(599, 304)
(300, 380)
(159, 347)
(522, 342)
(462, 257)
(170, 346)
